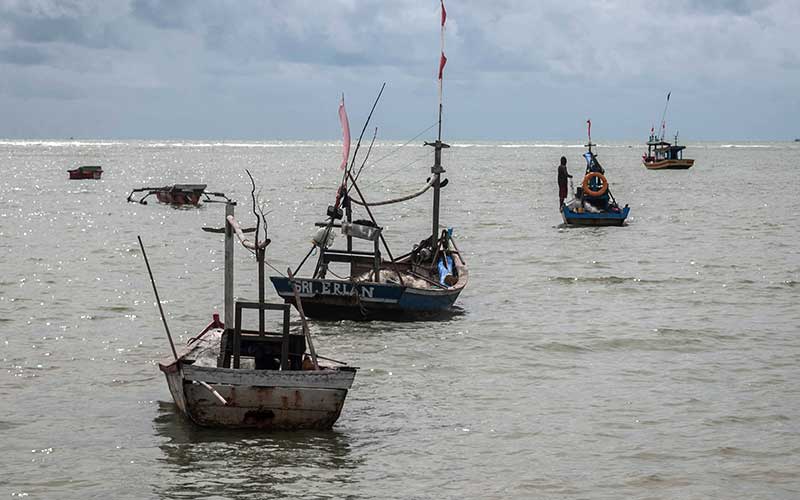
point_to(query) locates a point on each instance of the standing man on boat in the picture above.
(563, 175)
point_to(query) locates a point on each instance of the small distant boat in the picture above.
(662, 155)
(86, 172)
(593, 204)
(178, 194)
(231, 377)
(797, 140)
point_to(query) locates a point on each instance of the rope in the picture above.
(395, 172)
(396, 200)
(398, 148)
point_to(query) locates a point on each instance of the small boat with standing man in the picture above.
(593, 204)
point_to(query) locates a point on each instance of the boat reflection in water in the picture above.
(223, 463)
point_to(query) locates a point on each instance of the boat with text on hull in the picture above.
(371, 283)
(232, 377)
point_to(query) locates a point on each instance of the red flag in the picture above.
(345, 133)
(444, 14)
(442, 62)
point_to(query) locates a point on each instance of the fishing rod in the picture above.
(664, 115)
(158, 301)
(361, 135)
(366, 157)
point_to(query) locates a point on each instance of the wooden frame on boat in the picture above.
(280, 389)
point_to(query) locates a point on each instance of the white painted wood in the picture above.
(321, 379)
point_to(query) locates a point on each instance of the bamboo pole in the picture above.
(158, 300)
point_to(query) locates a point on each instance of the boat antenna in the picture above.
(663, 116)
(158, 300)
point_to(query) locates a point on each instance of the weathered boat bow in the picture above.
(234, 377)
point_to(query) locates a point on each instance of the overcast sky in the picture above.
(517, 69)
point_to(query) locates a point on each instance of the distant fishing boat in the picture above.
(423, 283)
(86, 172)
(178, 194)
(593, 204)
(661, 155)
(233, 377)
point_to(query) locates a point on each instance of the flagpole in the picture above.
(436, 169)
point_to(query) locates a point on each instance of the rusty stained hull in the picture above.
(668, 164)
(257, 407)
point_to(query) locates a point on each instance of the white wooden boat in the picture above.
(232, 377)
(214, 396)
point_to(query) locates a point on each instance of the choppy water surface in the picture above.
(657, 360)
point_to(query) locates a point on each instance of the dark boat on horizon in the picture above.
(86, 172)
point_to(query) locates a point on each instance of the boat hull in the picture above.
(344, 299)
(178, 198)
(591, 219)
(254, 399)
(669, 164)
(267, 407)
(78, 174)
(340, 299)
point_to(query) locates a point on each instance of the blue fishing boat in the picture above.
(595, 219)
(370, 283)
(593, 204)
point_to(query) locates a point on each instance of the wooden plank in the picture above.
(322, 379)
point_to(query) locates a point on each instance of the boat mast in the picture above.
(437, 170)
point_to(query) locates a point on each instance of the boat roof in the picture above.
(188, 187)
(90, 167)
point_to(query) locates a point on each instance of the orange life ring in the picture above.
(591, 192)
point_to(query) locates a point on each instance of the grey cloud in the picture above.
(23, 55)
(738, 7)
(174, 14)
(70, 26)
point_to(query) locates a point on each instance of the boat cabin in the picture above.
(659, 150)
